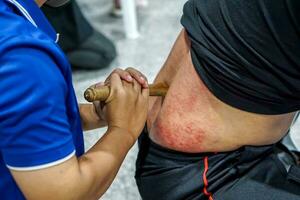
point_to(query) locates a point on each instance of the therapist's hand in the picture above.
(129, 75)
(126, 107)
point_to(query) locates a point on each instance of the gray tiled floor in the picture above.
(159, 25)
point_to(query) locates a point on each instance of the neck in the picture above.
(40, 2)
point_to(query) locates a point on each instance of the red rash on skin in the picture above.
(191, 119)
(181, 123)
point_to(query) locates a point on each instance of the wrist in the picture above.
(125, 133)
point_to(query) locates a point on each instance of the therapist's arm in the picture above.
(89, 117)
(89, 176)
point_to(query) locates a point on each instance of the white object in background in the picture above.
(295, 133)
(292, 140)
(129, 18)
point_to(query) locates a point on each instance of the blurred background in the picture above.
(106, 37)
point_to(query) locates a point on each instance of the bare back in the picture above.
(191, 119)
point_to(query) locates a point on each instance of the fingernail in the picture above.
(129, 78)
(142, 79)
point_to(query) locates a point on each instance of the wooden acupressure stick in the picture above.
(102, 93)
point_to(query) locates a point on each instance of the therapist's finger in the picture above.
(116, 85)
(124, 75)
(137, 86)
(138, 76)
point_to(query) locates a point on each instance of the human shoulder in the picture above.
(16, 29)
(31, 63)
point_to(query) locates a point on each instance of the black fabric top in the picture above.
(247, 52)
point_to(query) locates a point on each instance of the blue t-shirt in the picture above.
(39, 117)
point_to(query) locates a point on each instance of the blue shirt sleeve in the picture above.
(34, 127)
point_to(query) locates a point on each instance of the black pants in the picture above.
(247, 173)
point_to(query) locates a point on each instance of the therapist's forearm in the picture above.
(89, 117)
(102, 162)
(87, 177)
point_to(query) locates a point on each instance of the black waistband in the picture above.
(243, 154)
